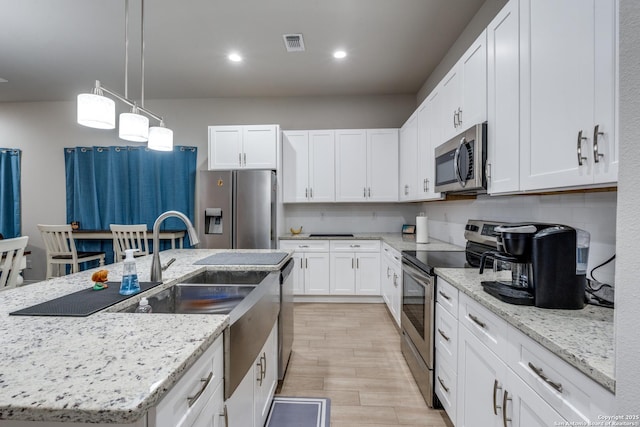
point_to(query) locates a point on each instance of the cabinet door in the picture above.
(503, 104)
(343, 273)
(240, 405)
(351, 165)
(396, 293)
(298, 273)
(481, 382)
(429, 137)
(382, 165)
(473, 69)
(225, 147)
(526, 408)
(316, 274)
(295, 166)
(322, 166)
(557, 98)
(409, 159)
(213, 413)
(385, 279)
(450, 104)
(367, 277)
(266, 375)
(259, 144)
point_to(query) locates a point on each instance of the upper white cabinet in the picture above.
(429, 137)
(367, 165)
(243, 147)
(568, 93)
(409, 159)
(503, 101)
(464, 91)
(308, 166)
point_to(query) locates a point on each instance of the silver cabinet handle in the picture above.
(311, 193)
(596, 153)
(487, 171)
(427, 189)
(395, 280)
(354, 246)
(369, 192)
(505, 398)
(455, 121)
(441, 332)
(306, 193)
(495, 398)
(245, 158)
(459, 116)
(445, 296)
(540, 373)
(352, 263)
(580, 157)
(259, 379)
(388, 272)
(364, 192)
(444, 387)
(303, 246)
(477, 321)
(306, 263)
(205, 382)
(264, 365)
(406, 190)
(240, 159)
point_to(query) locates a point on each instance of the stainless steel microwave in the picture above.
(460, 162)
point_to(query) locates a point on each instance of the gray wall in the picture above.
(42, 129)
(628, 236)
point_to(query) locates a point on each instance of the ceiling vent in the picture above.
(293, 42)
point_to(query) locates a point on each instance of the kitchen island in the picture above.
(110, 367)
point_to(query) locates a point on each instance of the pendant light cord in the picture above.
(142, 52)
(126, 49)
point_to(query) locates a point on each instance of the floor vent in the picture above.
(293, 42)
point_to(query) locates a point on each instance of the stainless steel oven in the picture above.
(417, 325)
(460, 162)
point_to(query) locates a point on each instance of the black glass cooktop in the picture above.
(428, 260)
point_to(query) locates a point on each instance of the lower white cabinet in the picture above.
(197, 398)
(355, 267)
(391, 280)
(250, 403)
(311, 269)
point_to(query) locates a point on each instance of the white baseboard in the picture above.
(353, 299)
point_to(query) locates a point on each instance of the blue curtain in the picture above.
(128, 185)
(10, 192)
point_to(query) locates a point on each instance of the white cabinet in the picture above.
(197, 396)
(311, 272)
(446, 347)
(355, 267)
(391, 280)
(249, 405)
(568, 93)
(409, 159)
(367, 165)
(503, 101)
(464, 91)
(243, 147)
(429, 137)
(308, 166)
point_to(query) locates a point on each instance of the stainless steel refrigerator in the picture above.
(237, 209)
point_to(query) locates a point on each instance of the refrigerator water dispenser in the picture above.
(213, 220)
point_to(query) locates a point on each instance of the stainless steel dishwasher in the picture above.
(285, 318)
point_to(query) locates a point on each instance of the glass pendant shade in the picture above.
(134, 127)
(96, 111)
(160, 138)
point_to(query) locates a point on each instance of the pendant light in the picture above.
(97, 111)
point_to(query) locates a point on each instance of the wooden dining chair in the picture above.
(11, 253)
(61, 249)
(129, 237)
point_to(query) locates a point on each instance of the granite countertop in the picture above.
(582, 338)
(109, 367)
(398, 241)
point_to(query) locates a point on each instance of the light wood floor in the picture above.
(351, 354)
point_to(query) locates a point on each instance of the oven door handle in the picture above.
(419, 276)
(456, 163)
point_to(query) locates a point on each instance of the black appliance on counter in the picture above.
(548, 264)
(418, 299)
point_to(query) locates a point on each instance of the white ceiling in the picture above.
(55, 49)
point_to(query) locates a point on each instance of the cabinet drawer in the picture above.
(355, 246)
(447, 295)
(201, 380)
(305, 245)
(446, 335)
(445, 385)
(482, 323)
(570, 392)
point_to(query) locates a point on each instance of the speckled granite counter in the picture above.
(109, 367)
(398, 241)
(583, 338)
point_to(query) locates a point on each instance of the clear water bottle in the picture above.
(144, 306)
(129, 284)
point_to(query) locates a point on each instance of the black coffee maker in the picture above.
(548, 264)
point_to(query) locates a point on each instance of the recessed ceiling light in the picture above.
(235, 57)
(339, 54)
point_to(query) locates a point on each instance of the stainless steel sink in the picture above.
(228, 277)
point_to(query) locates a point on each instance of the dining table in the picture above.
(175, 236)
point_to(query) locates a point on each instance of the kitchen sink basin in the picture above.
(228, 277)
(197, 298)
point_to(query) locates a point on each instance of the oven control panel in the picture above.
(481, 231)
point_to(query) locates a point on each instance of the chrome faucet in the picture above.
(156, 269)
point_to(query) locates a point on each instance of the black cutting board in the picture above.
(81, 303)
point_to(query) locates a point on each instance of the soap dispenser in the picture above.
(129, 284)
